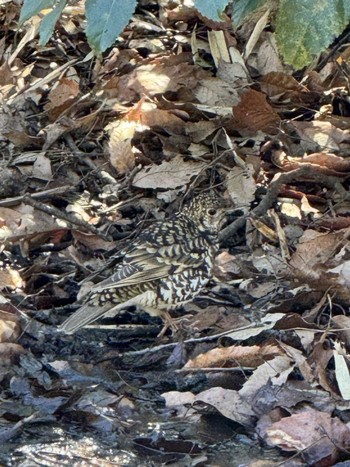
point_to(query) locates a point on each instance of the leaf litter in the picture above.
(94, 150)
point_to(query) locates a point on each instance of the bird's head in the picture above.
(208, 210)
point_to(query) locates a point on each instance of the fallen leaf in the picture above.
(229, 357)
(62, 97)
(254, 113)
(241, 185)
(318, 435)
(168, 175)
(275, 371)
(229, 403)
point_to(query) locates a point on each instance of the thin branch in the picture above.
(64, 216)
(273, 190)
(39, 195)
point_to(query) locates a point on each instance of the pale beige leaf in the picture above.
(341, 371)
(170, 175)
(316, 433)
(120, 147)
(42, 168)
(241, 185)
(276, 370)
(228, 402)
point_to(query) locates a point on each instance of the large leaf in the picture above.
(33, 7)
(304, 28)
(49, 21)
(211, 8)
(106, 19)
(241, 9)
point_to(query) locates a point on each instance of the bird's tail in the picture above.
(84, 316)
(89, 313)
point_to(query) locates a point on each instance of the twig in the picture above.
(7, 433)
(272, 194)
(172, 345)
(67, 217)
(39, 195)
(236, 369)
(78, 153)
(85, 159)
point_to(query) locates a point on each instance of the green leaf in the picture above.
(212, 9)
(49, 21)
(304, 28)
(33, 7)
(106, 19)
(241, 9)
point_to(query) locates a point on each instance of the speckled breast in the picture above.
(184, 286)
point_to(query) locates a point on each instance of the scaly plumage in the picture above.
(166, 266)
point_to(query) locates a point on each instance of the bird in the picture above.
(166, 266)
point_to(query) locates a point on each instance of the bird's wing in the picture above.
(126, 276)
(146, 261)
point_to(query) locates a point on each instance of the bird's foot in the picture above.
(169, 322)
(177, 325)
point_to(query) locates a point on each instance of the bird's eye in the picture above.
(212, 212)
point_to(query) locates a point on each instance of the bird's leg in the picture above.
(169, 322)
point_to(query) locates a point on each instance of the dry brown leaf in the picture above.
(55, 130)
(343, 273)
(229, 403)
(10, 278)
(254, 113)
(339, 121)
(241, 186)
(313, 252)
(216, 93)
(226, 264)
(153, 117)
(62, 97)
(82, 212)
(42, 168)
(334, 223)
(317, 362)
(170, 175)
(229, 357)
(236, 73)
(162, 75)
(142, 116)
(199, 131)
(317, 434)
(9, 331)
(266, 57)
(265, 230)
(25, 221)
(281, 87)
(275, 371)
(119, 146)
(257, 31)
(281, 234)
(322, 162)
(318, 135)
